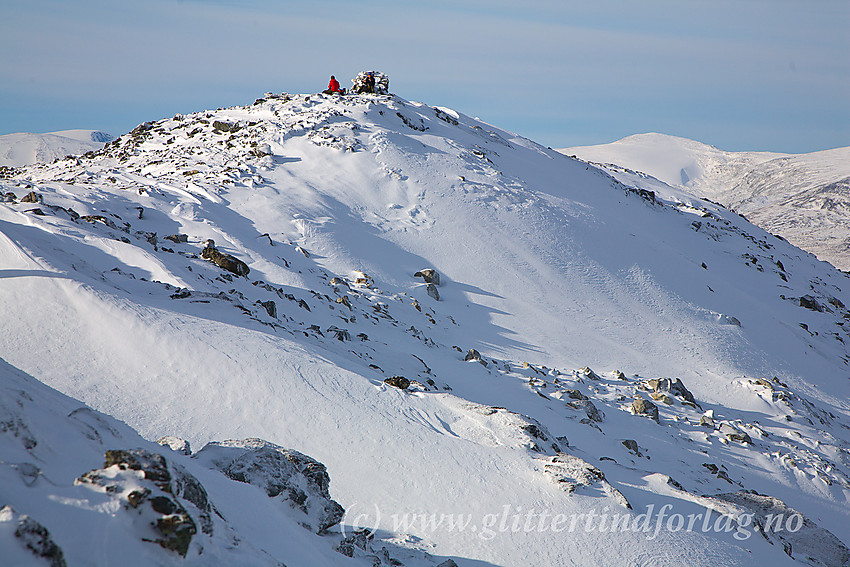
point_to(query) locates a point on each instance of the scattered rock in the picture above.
(641, 406)
(224, 261)
(733, 434)
(270, 307)
(431, 289)
(590, 410)
(225, 126)
(363, 279)
(341, 334)
(707, 419)
(810, 302)
(473, 355)
(430, 275)
(632, 446)
(676, 388)
(175, 444)
(663, 398)
(359, 539)
(586, 372)
(399, 382)
(32, 197)
(575, 394)
(718, 472)
(178, 238)
(571, 473)
(34, 537)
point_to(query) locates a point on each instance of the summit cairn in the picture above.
(362, 84)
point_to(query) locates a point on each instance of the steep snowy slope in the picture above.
(804, 198)
(24, 148)
(63, 505)
(719, 352)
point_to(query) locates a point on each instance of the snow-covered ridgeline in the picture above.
(463, 397)
(803, 198)
(24, 148)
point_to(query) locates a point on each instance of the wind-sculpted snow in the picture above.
(499, 355)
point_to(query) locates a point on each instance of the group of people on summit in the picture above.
(365, 83)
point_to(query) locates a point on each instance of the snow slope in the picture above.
(23, 148)
(804, 198)
(547, 266)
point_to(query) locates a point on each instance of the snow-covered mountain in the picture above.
(804, 198)
(480, 350)
(24, 148)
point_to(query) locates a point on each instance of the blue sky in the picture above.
(738, 74)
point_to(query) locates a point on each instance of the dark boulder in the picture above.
(34, 537)
(399, 382)
(676, 388)
(430, 275)
(641, 406)
(810, 302)
(575, 394)
(224, 261)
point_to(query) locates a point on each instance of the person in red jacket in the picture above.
(333, 86)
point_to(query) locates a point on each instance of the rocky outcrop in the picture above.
(293, 477)
(148, 485)
(31, 197)
(778, 523)
(734, 434)
(430, 275)
(590, 410)
(676, 388)
(399, 382)
(572, 473)
(32, 536)
(586, 372)
(178, 238)
(472, 355)
(175, 444)
(641, 406)
(224, 261)
(270, 306)
(632, 446)
(809, 302)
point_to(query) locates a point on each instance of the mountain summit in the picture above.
(404, 336)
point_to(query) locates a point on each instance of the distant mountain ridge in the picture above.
(804, 198)
(25, 148)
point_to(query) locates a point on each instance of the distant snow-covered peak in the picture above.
(802, 197)
(676, 161)
(24, 148)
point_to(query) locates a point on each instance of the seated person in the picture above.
(333, 87)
